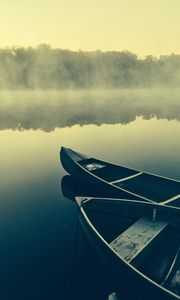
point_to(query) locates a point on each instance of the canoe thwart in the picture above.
(126, 178)
(138, 240)
(168, 201)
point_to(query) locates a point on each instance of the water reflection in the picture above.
(48, 110)
(71, 188)
(38, 225)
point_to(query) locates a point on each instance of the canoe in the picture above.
(119, 181)
(138, 241)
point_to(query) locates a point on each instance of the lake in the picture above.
(43, 254)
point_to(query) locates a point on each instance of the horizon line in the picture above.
(13, 47)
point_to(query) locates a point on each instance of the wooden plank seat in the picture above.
(135, 243)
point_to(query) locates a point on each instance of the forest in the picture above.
(46, 68)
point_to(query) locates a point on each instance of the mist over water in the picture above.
(47, 110)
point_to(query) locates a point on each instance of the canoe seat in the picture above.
(134, 244)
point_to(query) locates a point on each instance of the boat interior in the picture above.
(145, 235)
(151, 187)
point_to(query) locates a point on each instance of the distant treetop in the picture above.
(47, 68)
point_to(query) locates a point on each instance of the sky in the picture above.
(144, 27)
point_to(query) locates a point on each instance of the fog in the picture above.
(47, 110)
(45, 88)
(46, 68)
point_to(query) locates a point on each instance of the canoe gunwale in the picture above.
(171, 268)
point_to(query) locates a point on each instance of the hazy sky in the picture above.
(141, 26)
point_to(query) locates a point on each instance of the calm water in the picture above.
(43, 254)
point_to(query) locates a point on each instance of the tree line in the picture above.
(46, 68)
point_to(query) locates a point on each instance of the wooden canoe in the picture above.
(120, 182)
(138, 241)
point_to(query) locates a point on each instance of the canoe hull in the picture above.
(111, 180)
(102, 188)
(126, 278)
